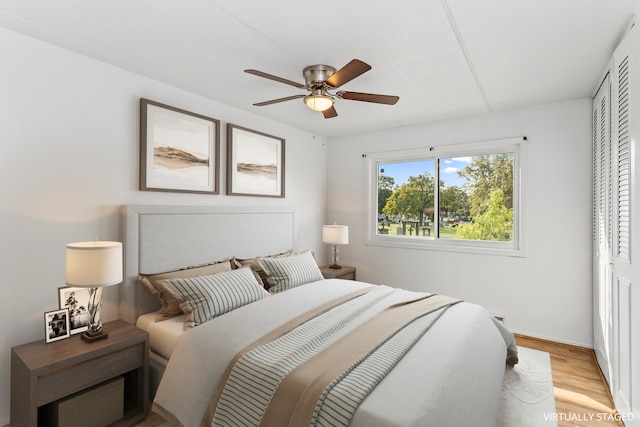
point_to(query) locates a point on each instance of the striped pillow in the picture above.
(170, 306)
(289, 272)
(206, 297)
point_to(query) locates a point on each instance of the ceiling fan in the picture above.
(319, 80)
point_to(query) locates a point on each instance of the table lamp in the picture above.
(94, 265)
(335, 235)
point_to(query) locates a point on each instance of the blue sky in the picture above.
(450, 166)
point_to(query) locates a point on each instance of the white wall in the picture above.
(546, 294)
(69, 159)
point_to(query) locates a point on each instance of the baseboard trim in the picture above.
(553, 340)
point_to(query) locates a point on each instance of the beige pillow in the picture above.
(170, 306)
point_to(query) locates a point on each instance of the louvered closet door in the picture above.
(624, 271)
(602, 228)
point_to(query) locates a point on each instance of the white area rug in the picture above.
(527, 392)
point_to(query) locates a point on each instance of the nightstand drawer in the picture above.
(351, 275)
(345, 273)
(61, 383)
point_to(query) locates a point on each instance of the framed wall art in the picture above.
(179, 150)
(56, 325)
(255, 163)
(76, 300)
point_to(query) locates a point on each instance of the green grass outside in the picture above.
(445, 232)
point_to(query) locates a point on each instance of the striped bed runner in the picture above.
(302, 376)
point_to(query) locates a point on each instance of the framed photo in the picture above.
(179, 150)
(255, 163)
(76, 300)
(56, 325)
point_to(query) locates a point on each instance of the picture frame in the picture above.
(179, 150)
(255, 163)
(56, 325)
(76, 300)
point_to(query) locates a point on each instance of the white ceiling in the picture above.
(444, 58)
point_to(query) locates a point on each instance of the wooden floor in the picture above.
(582, 396)
(153, 420)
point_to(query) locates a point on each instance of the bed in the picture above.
(442, 365)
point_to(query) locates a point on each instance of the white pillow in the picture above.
(205, 297)
(289, 272)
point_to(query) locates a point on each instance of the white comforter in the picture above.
(451, 377)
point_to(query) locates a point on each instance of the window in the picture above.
(464, 198)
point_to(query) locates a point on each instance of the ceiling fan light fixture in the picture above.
(318, 102)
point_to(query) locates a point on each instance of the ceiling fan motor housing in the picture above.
(315, 76)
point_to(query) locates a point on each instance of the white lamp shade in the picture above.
(93, 264)
(335, 234)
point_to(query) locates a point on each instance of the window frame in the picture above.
(515, 248)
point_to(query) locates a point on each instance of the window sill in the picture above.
(447, 245)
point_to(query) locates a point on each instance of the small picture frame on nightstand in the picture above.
(56, 325)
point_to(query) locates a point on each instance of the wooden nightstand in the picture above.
(42, 374)
(346, 272)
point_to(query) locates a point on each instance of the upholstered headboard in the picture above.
(165, 238)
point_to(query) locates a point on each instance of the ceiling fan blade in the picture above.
(276, 78)
(369, 97)
(275, 101)
(330, 113)
(347, 73)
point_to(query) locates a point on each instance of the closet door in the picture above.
(602, 228)
(625, 271)
(616, 228)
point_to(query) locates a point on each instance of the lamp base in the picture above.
(94, 336)
(335, 266)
